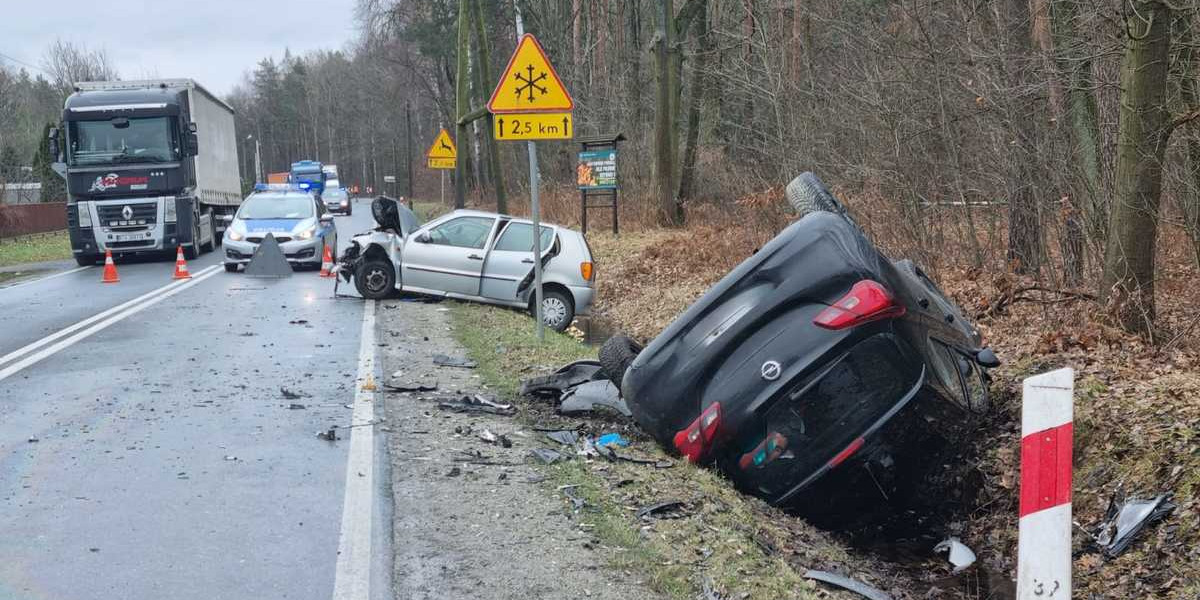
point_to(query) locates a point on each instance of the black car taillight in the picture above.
(867, 301)
(693, 442)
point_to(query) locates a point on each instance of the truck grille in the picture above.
(144, 213)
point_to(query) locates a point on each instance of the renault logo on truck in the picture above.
(127, 213)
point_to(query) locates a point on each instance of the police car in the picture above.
(296, 217)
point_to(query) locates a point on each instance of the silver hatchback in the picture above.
(472, 255)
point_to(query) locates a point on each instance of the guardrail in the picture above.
(24, 219)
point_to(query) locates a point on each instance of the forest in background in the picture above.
(1052, 138)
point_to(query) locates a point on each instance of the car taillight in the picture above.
(694, 441)
(847, 452)
(587, 270)
(867, 301)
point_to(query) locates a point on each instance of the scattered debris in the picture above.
(369, 384)
(412, 386)
(671, 509)
(454, 472)
(33, 440)
(535, 478)
(960, 555)
(477, 403)
(570, 492)
(1124, 521)
(442, 360)
(565, 377)
(488, 436)
(565, 437)
(846, 583)
(587, 396)
(708, 590)
(546, 456)
(330, 435)
(611, 439)
(230, 457)
(294, 406)
(290, 395)
(298, 322)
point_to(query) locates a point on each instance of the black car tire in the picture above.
(567, 305)
(375, 279)
(807, 194)
(231, 267)
(86, 260)
(193, 251)
(616, 355)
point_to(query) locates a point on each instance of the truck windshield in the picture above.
(277, 206)
(149, 139)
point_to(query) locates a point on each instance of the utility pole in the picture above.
(408, 154)
(462, 100)
(535, 212)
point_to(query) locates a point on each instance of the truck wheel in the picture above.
(212, 232)
(85, 260)
(375, 279)
(616, 355)
(193, 251)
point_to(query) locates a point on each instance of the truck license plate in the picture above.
(130, 238)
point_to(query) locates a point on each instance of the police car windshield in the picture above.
(277, 206)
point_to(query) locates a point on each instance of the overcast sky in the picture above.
(211, 41)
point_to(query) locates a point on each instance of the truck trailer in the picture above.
(150, 165)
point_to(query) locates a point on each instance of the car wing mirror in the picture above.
(326, 219)
(423, 237)
(987, 358)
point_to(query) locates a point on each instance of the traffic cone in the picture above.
(181, 271)
(110, 269)
(327, 263)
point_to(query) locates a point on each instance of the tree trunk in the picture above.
(1189, 91)
(670, 213)
(462, 101)
(1143, 129)
(484, 66)
(1024, 225)
(687, 177)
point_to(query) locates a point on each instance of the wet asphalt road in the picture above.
(158, 457)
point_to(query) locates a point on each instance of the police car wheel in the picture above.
(375, 279)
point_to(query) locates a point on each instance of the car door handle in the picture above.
(474, 257)
(527, 261)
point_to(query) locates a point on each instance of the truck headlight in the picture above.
(169, 210)
(85, 215)
(307, 234)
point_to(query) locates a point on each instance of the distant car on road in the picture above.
(296, 218)
(472, 255)
(337, 200)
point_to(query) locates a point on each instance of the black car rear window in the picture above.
(805, 430)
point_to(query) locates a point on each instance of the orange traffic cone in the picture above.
(327, 263)
(110, 269)
(181, 271)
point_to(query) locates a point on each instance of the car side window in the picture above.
(518, 237)
(462, 232)
(946, 369)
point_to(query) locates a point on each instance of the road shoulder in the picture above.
(473, 519)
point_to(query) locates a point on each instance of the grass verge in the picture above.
(738, 544)
(55, 245)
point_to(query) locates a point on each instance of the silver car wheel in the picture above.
(376, 280)
(554, 311)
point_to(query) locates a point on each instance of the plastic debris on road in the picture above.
(960, 555)
(546, 456)
(611, 439)
(1124, 521)
(477, 403)
(846, 583)
(565, 437)
(586, 397)
(562, 379)
(671, 509)
(441, 360)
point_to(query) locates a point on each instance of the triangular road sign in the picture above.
(529, 84)
(443, 147)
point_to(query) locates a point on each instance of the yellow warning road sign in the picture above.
(442, 154)
(529, 84)
(534, 126)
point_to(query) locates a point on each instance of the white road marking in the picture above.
(40, 279)
(352, 579)
(91, 325)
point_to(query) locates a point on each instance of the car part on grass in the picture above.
(546, 456)
(616, 355)
(565, 437)
(1125, 520)
(611, 439)
(571, 492)
(805, 357)
(268, 260)
(587, 396)
(412, 385)
(846, 583)
(477, 404)
(441, 360)
(960, 555)
(565, 377)
(671, 509)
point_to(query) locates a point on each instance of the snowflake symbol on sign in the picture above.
(529, 83)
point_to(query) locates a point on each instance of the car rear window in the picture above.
(801, 432)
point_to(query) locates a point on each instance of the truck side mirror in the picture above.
(52, 144)
(192, 144)
(227, 219)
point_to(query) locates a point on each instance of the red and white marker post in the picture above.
(1044, 545)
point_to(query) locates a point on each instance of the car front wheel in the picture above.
(375, 279)
(557, 310)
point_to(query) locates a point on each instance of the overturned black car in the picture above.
(797, 363)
